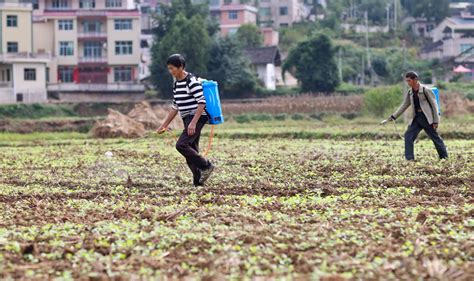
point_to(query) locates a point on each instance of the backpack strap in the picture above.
(429, 102)
(188, 81)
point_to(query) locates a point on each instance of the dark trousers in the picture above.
(421, 123)
(188, 146)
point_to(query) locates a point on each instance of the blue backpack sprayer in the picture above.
(213, 107)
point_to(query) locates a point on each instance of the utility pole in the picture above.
(388, 16)
(340, 63)
(369, 64)
(395, 13)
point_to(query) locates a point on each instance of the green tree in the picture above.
(249, 36)
(180, 38)
(382, 101)
(231, 69)
(431, 9)
(313, 64)
(168, 13)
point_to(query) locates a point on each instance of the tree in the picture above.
(249, 36)
(231, 69)
(436, 10)
(188, 8)
(314, 64)
(181, 35)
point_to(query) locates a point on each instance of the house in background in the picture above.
(280, 13)
(95, 46)
(232, 15)
(23, 74)
(453, 42)
(420, 26)
(266, 61)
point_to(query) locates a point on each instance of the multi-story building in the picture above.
(22, 73)
(280, 13)
(96, 48)
(231, 15)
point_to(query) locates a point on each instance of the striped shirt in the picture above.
(187, 95)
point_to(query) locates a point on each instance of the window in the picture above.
(19, 97)
(91, 26)
(35, 4)
(283, 11)
(214, 3)
(12, 47)
(30, 74)
(47, 74)
(66, 48)
(87, 4)
(123, 24)
(123, 47)
(232, 31)
(66, 74)
(12, 21)
(60, 4)
(122, 74)
(227, 2)
(466, 47)
(92, 49)
(265, 12)
(113, 3)
(65, 24)
(233, 15)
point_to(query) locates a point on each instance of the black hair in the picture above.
(412, 75)
(176, 60)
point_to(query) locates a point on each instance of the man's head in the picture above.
(176, 65)
(411, 78)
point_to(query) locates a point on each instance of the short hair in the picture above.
(412, 75)
(176, 60)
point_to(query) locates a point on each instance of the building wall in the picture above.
(66, 36)
(33, 91)
(43, 36)
(123, 35)
(21, 33)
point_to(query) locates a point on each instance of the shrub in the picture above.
(243, 118)
(382, 101)
(297, 116)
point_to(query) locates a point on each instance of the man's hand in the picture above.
(162, 129)
(435, 126)
(192, 128)
(389, 119)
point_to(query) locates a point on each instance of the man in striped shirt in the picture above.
(189, 101)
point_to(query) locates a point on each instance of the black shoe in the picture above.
(206, 174)
(197, 178)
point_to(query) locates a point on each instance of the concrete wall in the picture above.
(101, 97)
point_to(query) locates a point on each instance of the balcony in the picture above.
(16, 5)
(26, 57)
(85, 87)
(91, 14)
(93, 60)
(99, 36)
(6, 84)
